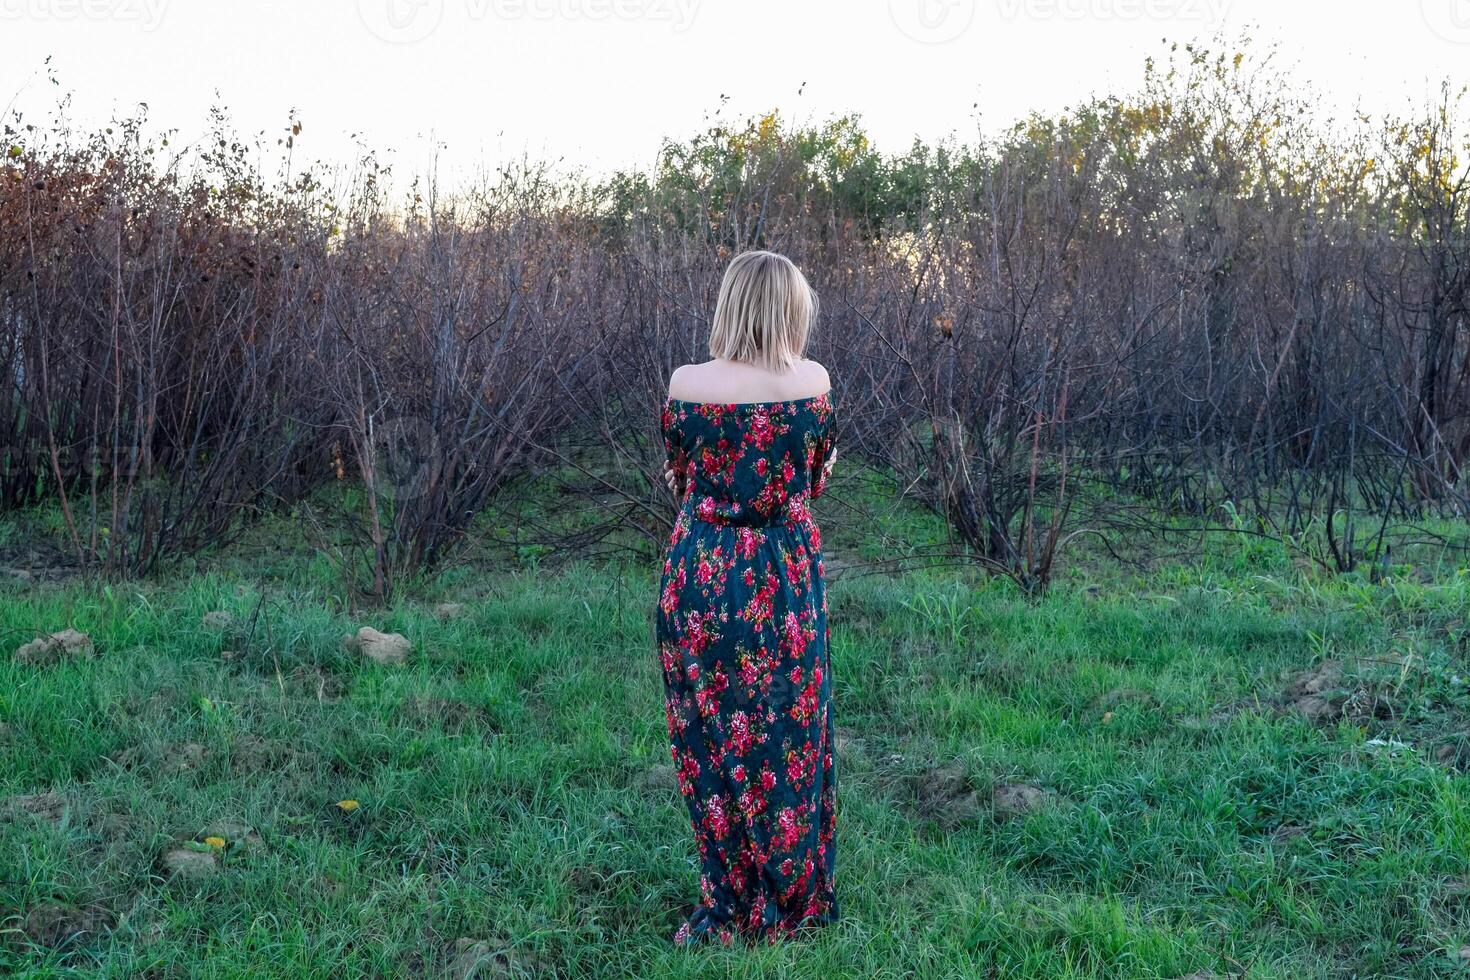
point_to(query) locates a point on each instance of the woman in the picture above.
(742, 616)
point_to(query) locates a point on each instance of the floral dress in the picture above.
(742, 637)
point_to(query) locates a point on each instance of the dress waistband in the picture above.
(730, 513)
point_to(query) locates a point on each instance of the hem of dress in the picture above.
(702, 929)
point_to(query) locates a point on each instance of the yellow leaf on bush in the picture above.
(217, 842)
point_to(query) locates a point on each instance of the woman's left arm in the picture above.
(823, 459)
(676, 462)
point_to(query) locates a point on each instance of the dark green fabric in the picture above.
(742, 637)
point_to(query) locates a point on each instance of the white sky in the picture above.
(597, 83)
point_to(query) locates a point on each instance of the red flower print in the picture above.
(758, 612)
(742, 739)
(715, 820)
(801, 766)
(741, 636)
(805, 707)
(747, 542)
(760, 432)
(669, 601)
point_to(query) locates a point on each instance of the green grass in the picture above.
(512, 793)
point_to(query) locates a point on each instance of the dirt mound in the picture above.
(1315, 694)
(250, 753)
(454, 716)
(387, 649)
(47, 807)
(192, 862)
(171, 757)
(945, 795)
(1454, 754)
(474, 958)
(1113, 700)
(219, 620)
(848, 746)
(56, 647)
(1011, 800)
(314, 682)
(660, 779)
(54, 926)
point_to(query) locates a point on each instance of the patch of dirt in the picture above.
(159, 703)
(54, 926)
(47, 807)
(316, 683)
(1454, 754)
(251, 753)
(848, 746)
(1219, 718)
(1011, 800)
(1113, 700)
(1315, 694)
(454, 716)
(608, 895)
(386, 649)
(65, 645)
(115, 826)
(37, 561)
(1364, 705)
(171, 758)
(660, 779)
(475, 958)
(945, 795)
(187, 757)
(1289, 831)
(219, 620)
(1321, 695)
(190, 863)
(449, 610)
(183, 757)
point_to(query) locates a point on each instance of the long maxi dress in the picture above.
(742, 635)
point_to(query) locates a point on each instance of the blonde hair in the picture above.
(765, 312)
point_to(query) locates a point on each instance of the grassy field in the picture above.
(1220, 768)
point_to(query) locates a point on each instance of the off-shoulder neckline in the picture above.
(767, 404)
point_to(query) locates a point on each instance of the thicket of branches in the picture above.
(1201, 303)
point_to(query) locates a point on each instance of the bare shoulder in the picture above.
(723, 381)
(816, 377)
(685, 382)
